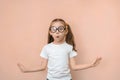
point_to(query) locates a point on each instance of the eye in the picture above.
(61, 28)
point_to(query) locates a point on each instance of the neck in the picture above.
(59, 42)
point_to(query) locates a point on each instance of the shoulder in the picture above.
(69, 46)
(47, 45)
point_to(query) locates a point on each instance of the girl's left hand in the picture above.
(96, 62)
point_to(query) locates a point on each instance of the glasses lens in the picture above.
(53, 29)
(61, 28)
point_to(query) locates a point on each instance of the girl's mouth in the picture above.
(57, 36)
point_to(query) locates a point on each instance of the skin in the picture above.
(59, 38)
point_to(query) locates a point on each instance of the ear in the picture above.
(50, 33)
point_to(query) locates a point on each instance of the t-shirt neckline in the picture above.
(58, 44)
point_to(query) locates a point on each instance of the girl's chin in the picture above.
(58, 40)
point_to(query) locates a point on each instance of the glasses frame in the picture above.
(57, 29)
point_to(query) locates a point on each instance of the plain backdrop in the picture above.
(24, 27)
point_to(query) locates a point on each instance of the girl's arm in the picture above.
(74, 66)
(38, 68)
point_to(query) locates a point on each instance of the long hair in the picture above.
(69, 37)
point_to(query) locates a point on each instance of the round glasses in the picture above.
(61, 29)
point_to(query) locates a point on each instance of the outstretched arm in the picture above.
(75, 66)
(38, 68)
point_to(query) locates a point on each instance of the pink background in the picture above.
(23, 32)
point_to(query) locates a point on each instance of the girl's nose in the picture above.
(57, 32)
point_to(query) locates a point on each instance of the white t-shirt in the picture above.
(58, 60)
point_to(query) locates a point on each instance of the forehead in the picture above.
(58, 23)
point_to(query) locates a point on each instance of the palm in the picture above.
(21, 67)
(97, 61)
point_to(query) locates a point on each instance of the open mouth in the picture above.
(57, 36)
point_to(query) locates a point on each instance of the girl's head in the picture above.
(60, 31)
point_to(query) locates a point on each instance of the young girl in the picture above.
(59, 54)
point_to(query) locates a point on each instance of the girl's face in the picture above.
(58, 31)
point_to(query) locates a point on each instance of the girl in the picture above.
(59, 54)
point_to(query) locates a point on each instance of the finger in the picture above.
(97, 61)
(99, 58)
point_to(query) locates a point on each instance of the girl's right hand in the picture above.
(21, 67)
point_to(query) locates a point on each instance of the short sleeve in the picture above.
(73, 53)
(43, 53)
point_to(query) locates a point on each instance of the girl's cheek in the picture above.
(62, 34)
